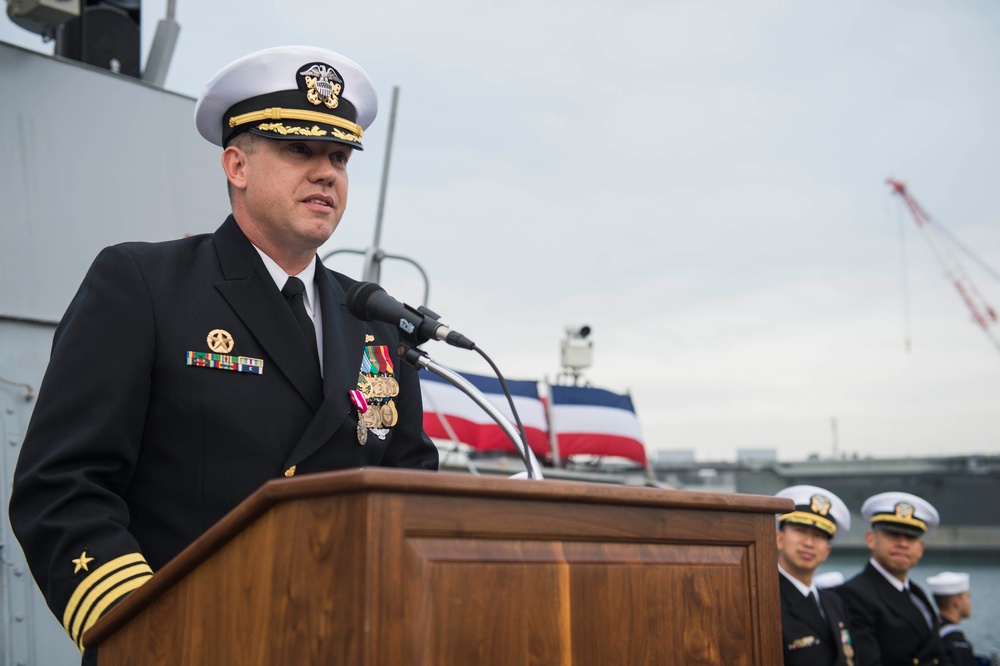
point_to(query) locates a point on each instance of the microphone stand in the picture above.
(420, 360)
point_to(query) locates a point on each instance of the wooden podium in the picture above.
(388, 567)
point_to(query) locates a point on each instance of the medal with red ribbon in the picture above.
(373, 397)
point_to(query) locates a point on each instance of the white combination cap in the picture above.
(900, 512)
(288, 92)
(816, 507)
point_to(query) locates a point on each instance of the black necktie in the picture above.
(920, 606)
(294, 292)
(812, 597)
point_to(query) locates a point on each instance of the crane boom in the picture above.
(982, 312)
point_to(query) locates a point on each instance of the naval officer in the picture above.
(814, 630)
(951, 594)
(891, 618)
(185, 374)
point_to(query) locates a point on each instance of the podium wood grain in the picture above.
(380, 567)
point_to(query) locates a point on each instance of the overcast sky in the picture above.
(703, 183)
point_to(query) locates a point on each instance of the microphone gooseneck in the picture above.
(369, 302)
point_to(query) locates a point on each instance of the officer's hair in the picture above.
(247, 142)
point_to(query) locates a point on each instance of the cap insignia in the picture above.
(323, 84)
(820, 505)
(905, 511)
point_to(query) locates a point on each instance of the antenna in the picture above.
(372, 271)
(162, 51)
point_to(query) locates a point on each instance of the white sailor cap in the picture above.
(288, 92)
(948, 582)
(816, 507)
(829, 579)
(900, 512)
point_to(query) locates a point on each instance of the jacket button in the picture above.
(290, 472)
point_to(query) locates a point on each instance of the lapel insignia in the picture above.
(82, 562)
(369, 338)
(221, 343)
(376, 387)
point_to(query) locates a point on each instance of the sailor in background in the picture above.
(951, 594)
(814, 628)
(891, 619)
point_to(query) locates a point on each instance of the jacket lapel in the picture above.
(343, 342)
(900, 603)
(801, 607)
(919, 593)
(343, 336)
(252, 294)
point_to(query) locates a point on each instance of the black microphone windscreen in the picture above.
(357, 299)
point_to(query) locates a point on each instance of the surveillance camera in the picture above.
(578, 331)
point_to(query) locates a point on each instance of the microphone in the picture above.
(369, 302)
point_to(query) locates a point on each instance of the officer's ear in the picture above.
(234, 163)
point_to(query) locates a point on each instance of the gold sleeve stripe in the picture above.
(84, 595)
(103, 604)
(807, 518)
(98, 575)
(277, 113)
(108, 590)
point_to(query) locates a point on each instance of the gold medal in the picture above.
(379, 387)
(372, 418)
(365, 386)
(393, 386)
(389, 414)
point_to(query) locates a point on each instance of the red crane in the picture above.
(982, 312)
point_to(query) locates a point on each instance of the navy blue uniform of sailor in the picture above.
(957, 646)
